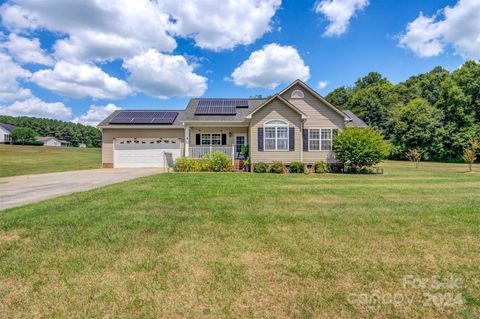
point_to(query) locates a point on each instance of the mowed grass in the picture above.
(23, 160)
(249, 245)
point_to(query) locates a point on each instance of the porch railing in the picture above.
(201, 151)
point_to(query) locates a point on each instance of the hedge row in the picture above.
(297, 167)
(216, 162)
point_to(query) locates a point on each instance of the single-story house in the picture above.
(52, 141)
(296, 124)
(82, 145)
(6, 133)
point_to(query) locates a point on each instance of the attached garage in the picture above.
(144, 152)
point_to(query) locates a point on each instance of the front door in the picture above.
(240, 140)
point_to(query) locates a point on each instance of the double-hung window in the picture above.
(320, 139)
(211, 139)
(276, 136)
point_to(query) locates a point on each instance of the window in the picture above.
(320, 139)
(276, 136)
(211, 139)
(297, 94)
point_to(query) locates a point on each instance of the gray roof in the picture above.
(356, 121)
(178, 121)
(189, 113)
(8, 127)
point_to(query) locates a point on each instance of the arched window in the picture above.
(297, 94)
(276, 136)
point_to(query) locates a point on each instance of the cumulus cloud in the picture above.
(26, 50)
(223, 24)
(458, 26)
(9, 76)
(270, 66)
(164, 76)
(322, 84)
(82, 80)
(96, 114)
(33, 106)
(338, 13)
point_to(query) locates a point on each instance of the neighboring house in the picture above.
(82, 145)
(6, 133)
(297, 124)
(52, 141)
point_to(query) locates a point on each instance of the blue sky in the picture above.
(81, 59)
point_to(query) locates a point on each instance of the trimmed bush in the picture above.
(29, 143)
(277, 168)
(334, 167)
(220, 162)
(260, 167)
(320, 167)
(184, 164)
(297, 167)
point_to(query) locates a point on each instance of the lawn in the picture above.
(22, 160)
(237, 245)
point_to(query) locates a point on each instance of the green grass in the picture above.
(22, 160)
(247, 245)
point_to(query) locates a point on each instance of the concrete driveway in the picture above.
(21, 190)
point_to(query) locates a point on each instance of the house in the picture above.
(296, 124)
(6, 133)
(52, 141)
(82, 145)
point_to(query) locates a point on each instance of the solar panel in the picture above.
(145, 117)
(215, 110)
(223, 102)
(220, 106)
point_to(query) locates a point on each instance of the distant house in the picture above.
(82, 145)
(6, 133)
(52, 141)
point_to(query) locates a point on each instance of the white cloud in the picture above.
(9, 76)
(33, 106)
(460, 28)
(339, 13)
(80, 81)
(164, 76)
(96, 30)
(96, 114)
(27, 50)
(222, 24)
(322, 84)
(270, 66)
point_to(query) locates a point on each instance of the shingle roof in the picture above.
(8, 127)
(106, 122)
(241, 112)
(356, 121)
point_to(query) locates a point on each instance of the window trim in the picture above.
(282, 124)
(320, 139)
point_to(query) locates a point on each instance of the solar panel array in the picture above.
(145, 117)
(220, 106)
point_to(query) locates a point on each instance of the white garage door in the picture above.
(144, 152)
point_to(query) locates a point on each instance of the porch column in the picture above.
(187, 141)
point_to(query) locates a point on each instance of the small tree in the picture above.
(470, 153)
(360, 147)
(23, 135)
(414, 155)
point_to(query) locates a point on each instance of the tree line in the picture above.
(72, 132)
(437, 113)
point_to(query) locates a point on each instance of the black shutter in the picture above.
(291, 138)
(197, 139)
(224, 139)
(260, 139)
(305, 140)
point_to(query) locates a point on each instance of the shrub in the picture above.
(297, 167)
(277, 167)
(320, 167)
(414, 155)
(220, 162)
(357, 147)
(184, 164)
(470, 153)
(260, 167)
(31, 143)
(23, 135)
(334, 167)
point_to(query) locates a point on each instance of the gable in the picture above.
(318, 111)
(275, 109)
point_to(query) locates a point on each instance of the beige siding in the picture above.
(319, 116)
(109, 134)
(230, 131)
(275, 110)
